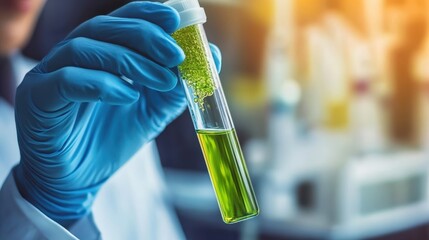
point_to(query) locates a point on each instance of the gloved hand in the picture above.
(78, 121)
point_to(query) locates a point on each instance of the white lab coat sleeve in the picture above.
(19, 219)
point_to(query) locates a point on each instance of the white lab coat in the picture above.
(133, 204)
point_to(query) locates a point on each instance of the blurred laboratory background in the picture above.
(330, 100)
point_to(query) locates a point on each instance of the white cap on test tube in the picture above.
(189, 10)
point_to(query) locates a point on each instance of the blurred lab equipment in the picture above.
(342, 178)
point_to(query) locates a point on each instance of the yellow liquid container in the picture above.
(211, 116)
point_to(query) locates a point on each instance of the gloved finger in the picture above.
(164, 16)
(141, 36)
(91, 54)
(217, 56)
(73, 84)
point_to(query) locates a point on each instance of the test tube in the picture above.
(211, 116)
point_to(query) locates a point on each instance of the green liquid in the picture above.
(195, 69)
(228, 174)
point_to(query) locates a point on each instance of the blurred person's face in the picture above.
(17, 19)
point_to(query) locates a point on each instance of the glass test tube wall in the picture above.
(211, 116)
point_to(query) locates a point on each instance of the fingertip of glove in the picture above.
(176, 57)
(169, 83)
(168, 16)
(133, 96)
(163, 83)
(172, 20)
(217, 56)
(180, 56)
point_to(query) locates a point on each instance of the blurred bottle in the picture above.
(326, 89)
(283, 95)
(334, 76)
(366, 113)
(283, 90)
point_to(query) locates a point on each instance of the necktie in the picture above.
(7, 81)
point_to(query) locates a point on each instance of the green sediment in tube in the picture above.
(195, 69)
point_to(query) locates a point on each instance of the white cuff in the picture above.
(19, 219)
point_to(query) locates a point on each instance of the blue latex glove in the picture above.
(78, 121)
